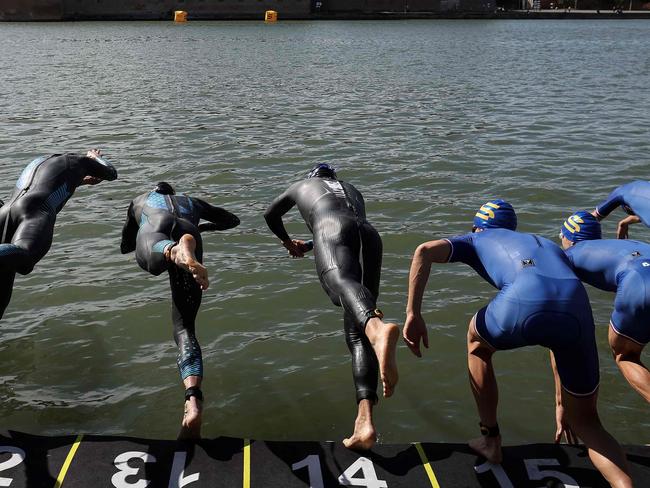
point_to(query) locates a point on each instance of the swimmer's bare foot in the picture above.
(182, 255)
(364, 435)
(383, 339)
(488, 447)
(192, 416)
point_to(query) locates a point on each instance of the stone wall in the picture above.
(196, 9)
(31, 10)
(26, 10)
(370, 6)
(150, 9)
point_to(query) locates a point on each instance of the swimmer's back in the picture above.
(604, 263)
(501, 256)
(318, 198)
(52, 180)
(158, 207)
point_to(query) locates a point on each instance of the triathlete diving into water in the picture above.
(621, 266)
(164, 231)
(540, 302)
(348, 252)
(634, 199)
(27, 219)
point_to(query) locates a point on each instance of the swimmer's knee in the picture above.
(23, 261)
(25, 270)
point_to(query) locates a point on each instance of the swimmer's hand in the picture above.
(415, 329)
(562, 427)
(622, 230)
(296, 247)
(305, 246)
(90, 180)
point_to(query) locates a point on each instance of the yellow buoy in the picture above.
(180, 16)
(270, 16)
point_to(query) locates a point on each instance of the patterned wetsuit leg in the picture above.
(6, 287)
(186, 300)
(27, 236)
(151, 243)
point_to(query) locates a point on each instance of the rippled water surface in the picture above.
(427, 118)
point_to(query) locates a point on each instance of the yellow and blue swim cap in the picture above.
(496, 214)
(581, 226)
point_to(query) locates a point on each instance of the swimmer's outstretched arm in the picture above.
(273, 217)
(96, 168)
(274, 213)
(614, 200)
(129, 232)
(414, 327)
(219, 218)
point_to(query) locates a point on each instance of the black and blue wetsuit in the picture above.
(27, 219)
(348, 252)
(155, 221)
(540, 302)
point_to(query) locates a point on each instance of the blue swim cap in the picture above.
(496, 214)
(581, 226)
(322, 170)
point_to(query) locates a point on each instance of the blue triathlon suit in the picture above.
(622, 266)
(635, 195)
(540, 302)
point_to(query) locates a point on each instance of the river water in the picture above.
(428, 119)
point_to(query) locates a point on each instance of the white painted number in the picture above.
(122, 464)
(368, 479)
(312, 463)
(178, 478)
(17, 457)
(368, 472)
(534, 473)
(497, 471)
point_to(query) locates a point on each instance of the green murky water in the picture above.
(427, 118)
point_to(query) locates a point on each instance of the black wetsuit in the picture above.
(348, 252)
(155, 221)
(27, 219)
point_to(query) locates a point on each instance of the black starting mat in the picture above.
(121, 462)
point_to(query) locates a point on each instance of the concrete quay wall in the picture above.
(56, 10)
(53, 10)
